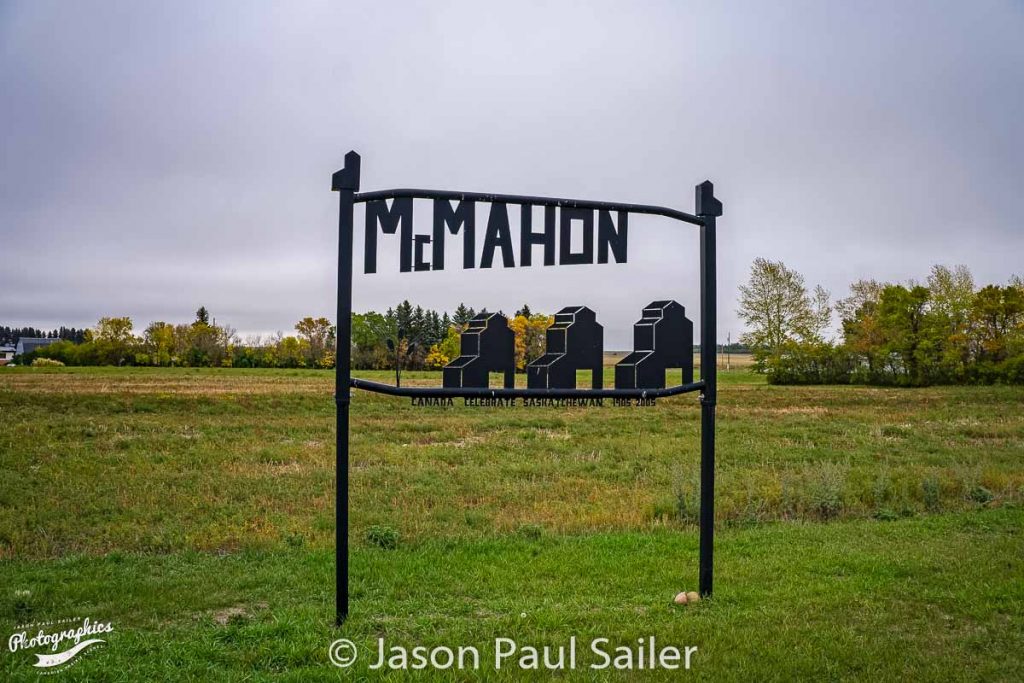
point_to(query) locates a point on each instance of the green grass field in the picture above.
(863, 533)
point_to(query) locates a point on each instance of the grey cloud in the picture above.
(158, 156)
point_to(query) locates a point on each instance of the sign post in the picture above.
(574, 342)
(346, 183)
(708, 209)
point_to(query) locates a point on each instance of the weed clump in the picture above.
(826, 491)
(981, 495)
(21, 605)
(930, 494)
(687, 498)
(383, 537)
(886, 515)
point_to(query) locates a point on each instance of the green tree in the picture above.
(206, 345)
(370, 332)
(902, 318)
(997, 316)
(114, 340)
(444, 351)
(159, 342)
(858, 314)
(291, 352)
(115, 330)
(952, 295)
(821, 314)
(777, 309)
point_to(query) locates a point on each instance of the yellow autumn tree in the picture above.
(529, 337)
(445, 352)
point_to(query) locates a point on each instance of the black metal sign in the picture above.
(487, 345)
(575, 341)
(662, 338)
(497, 241)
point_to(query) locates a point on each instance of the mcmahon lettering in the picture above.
(603, 238)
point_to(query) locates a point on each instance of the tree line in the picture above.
(201, 343)
(404, 336)
(11, 335)
(416, 339)
(945, 330)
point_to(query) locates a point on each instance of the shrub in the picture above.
(1012, 370)
(809, 363)
(826, 494)
(881, 488)
(46, 363)
(382, 536)
(981, 495)
(886, 515)
(688, 503)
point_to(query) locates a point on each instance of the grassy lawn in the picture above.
(864, 533)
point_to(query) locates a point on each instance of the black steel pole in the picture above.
(346, 183)
(708, 209)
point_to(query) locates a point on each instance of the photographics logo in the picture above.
(64, 640)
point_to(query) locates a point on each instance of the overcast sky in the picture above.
(161, 156)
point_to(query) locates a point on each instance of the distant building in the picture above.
(6, 354)
(30, 344)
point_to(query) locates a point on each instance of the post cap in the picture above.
(348, 177)
(706, 204)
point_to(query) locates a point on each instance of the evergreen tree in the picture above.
(391, 322)
(437, 331)
(419, 324)
(462, 315)
(404, 318)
